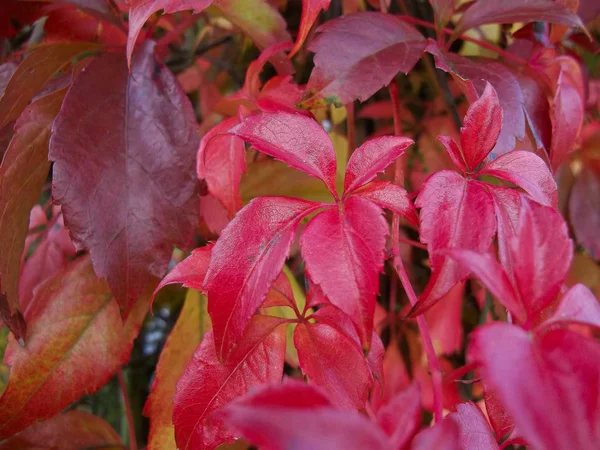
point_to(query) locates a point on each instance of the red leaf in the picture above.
(142, 170)
(72, 430)
(275, 417)
(14, 14)
(482, 12)
(371, 158)
(546, 383)
(346, 379)
(442, 436)
(23, 172)
(455, 213)
(310, 12)
(444, 321)
(502, 424)
(245, 260)
(443, 10)
(359, 53)
(76, 342)
(475, 432)
(207, 385)
(584, 211)
(293, 138)
(400, 418)
(481, 128)
(141, 10)
(529, 172)
(578, 305)
(390, 196)
(353, 238)
(221, 163)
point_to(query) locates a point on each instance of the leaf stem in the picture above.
(128, 413)
(432, 359)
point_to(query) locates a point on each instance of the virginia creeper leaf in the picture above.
(442, 436)
(177, 352)
(310, 12)
(578, 305)
(22, 174)
(357, 54)
(390, 196)
(371, 158)
(482, 12)
(584, 211)
(293, 138)
(207, 385)
(14, 13)
(475, 432)
(443, 10)
(141, 10)
(501, 422)
(546, 382)
(400, 418)
(33, 74)
(142, 170)
(245, 261)
(76, 341)
(264, 418)
(353, 236)
(72, 430)
(347, 380)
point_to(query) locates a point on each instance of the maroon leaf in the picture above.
(359, 53)
(371, 158)
(400, 418)
(352, 236)
(347, 380)
(482, 12)
(546, 382)
(455, 213)
(207, 385)
(142, 170)
(390, 196)
(293, 138)
(584, 211)
(475, 432)
(275, 417)
(578, 305)
(245, 260)
(141, 10)
(443, 10)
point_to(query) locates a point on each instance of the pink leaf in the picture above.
(134, 196)
(578, 305)
(546, 382)
(141, 10)
(390, 196)
(353, 238)
(483, 12)
(584, 211)
(481, 128)
(207, 385)
(400, 418)
(455, 213)
(280, 416)
(346, 379)
(528, 171)
(442, 436)
(455, 153)
(359, 53)
(371, 158)
(475, 432)
(310, 12)
(245, 260)
(293, 138)
(221, 163)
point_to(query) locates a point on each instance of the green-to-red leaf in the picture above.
(207, 385)
(124, 147)
(352, 235)
(23, 171)
(246, 259)
(177, 352)
(76, 341)
(359, 53)
(72, 430)
(34, 72)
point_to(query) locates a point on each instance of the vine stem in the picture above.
(480, 42)
(432, 359)
(128, 412)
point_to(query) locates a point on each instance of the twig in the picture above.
(128, 412)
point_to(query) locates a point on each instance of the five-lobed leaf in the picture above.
(124, 168)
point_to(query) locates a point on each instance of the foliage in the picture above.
(381, 234)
